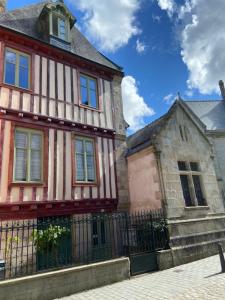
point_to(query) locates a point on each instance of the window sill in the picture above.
(205, 207)
(27, 184)
(16, 88)
(90, 108)
(87, 184)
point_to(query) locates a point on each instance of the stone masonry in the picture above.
(195, 230)
(120, 145)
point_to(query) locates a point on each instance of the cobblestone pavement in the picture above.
(198, 280)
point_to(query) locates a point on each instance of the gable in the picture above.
(182, 135)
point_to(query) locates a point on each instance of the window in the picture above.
(88, 91)
(85, 160)
(59, 27)
(183, 133)
(190, 177)
(28, 156)
(17, 68)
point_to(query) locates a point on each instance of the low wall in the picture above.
(65, 282)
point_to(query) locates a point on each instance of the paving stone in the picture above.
(198, 280)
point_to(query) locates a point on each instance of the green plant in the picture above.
(49, 238)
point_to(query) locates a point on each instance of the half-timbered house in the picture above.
(62, 132)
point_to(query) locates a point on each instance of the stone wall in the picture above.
(218, 141)
(196, 148)
(63, 283)
(120, 145)
(194, 231)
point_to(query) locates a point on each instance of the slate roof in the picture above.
(24, 20)
(211, 113)
(145, 137)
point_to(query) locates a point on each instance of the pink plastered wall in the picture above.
(144, 184)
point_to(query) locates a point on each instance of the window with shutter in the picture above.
(28, 155)
(85, 169)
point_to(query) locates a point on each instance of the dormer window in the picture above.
(55, 23)
(59, 27)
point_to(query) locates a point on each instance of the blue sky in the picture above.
(164, 46)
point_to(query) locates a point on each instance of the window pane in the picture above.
(92, 84)
(23, 77)
(182, 165)
(62, 29)
(83, 81)
(79, 146)
(35, 166)
(93, 99)
(84, 96)
(194, 166)
(90, 168)
(55, 25)
(186, 190)
(21, 139)
(198, 190)
(36, 141)
(24, 61)
(20, 164)
(89, 148)
(11, 57)
(10, 73)
(80, 173)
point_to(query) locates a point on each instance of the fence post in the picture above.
(152, 232)
(127, 233)
(222, 261)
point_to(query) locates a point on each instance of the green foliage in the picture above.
(159, 225)
(49, 238)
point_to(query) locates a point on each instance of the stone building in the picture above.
(211, 113)
(171, 165)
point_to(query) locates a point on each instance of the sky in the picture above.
(164, 47)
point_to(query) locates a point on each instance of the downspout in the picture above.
(162, 186)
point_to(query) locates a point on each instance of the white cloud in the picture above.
(168, 5)
(169, 99)
(202, 41)
(109, 23)
(140, 46)
(203, 44)
(189, 93)
(156, 18)
(135, 108)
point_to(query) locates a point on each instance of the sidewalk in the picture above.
(198, 280)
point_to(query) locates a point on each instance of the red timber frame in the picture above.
(33, 209)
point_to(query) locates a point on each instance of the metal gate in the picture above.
(146, 234)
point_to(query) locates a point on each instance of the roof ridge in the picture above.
(221, 100)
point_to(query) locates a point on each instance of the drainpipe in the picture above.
(162, 186)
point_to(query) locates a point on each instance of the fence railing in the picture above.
(32, 246)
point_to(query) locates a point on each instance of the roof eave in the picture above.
(118, 72)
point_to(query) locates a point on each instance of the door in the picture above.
(101, 242)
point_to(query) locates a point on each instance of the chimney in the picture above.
(222, 89)
(2, 6)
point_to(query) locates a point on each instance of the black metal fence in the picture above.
(32, 246)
